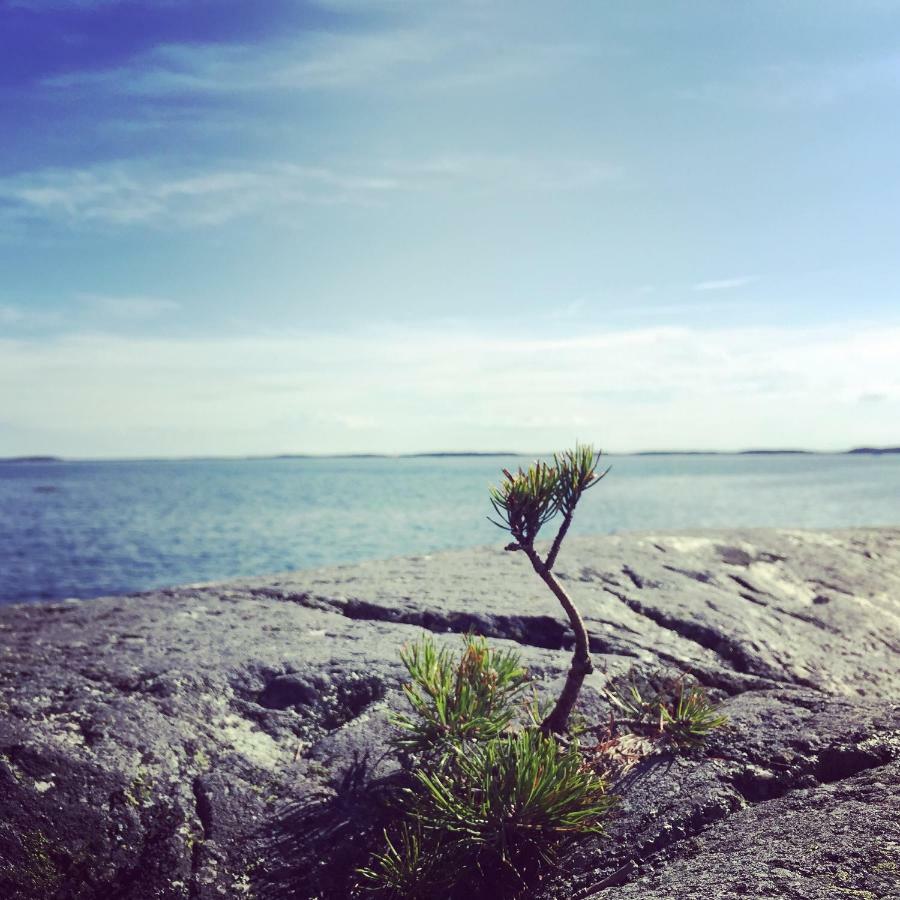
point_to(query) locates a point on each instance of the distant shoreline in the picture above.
(449, 454)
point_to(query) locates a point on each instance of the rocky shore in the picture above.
(228, 740)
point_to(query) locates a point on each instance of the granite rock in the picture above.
(230, 740)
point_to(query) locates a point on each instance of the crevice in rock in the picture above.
(836, 763)
(829, 586)
(748, 586)
(708, 638)
(726, 680)
(763, 556)
(545, 632)
(631, 868)
(203, 813)
(809, 620)
(636, 579)
(831, 765)
(702, 577)
(309, 703)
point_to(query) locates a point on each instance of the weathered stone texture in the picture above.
(228, 740)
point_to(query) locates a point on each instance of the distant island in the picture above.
(874, 451)
(716, 453)
(463, 454)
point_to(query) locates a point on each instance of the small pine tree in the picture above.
(524, 502)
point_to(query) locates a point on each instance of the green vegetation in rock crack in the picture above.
(490, 801)
(667, 708)
(524, 502)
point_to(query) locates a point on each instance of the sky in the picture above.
(230, 227)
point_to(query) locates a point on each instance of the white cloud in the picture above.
(723, 284)
(312, 62)
(401, 389)
(439, 49)
(130, 193)
(154, 193)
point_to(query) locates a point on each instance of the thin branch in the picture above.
(557, 541)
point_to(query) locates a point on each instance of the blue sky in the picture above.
(240, 227)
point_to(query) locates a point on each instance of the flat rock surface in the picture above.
(229, 740)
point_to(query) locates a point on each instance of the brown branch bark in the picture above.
(581, 665)
(557, 541)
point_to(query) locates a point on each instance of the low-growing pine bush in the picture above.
(668, 708)
(457, 701)
(490, 800)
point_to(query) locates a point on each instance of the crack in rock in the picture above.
(545, 632)
(728, 649)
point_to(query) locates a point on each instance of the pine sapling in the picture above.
(524, 502)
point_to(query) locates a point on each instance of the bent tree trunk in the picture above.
(581, 666)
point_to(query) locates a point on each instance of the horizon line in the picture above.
(761, 451)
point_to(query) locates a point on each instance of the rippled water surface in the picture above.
(83, 529)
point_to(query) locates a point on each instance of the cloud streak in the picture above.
(158, 194)
(723, 284)
(145, 193)
(429, 56)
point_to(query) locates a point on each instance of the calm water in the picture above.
(84, 529)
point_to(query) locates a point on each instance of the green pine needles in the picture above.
(457, 701)
(666, 708)
(489, 800)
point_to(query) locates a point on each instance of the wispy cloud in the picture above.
(501, 171)
(129, 307)
(312, 61)
(160, 194)
(724, 284)
(143, 193)
(649, 387)
(427, 49)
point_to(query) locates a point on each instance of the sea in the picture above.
(87, 529)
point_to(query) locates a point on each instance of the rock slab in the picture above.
(228, 740)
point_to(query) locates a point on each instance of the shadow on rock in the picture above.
(318, 843)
